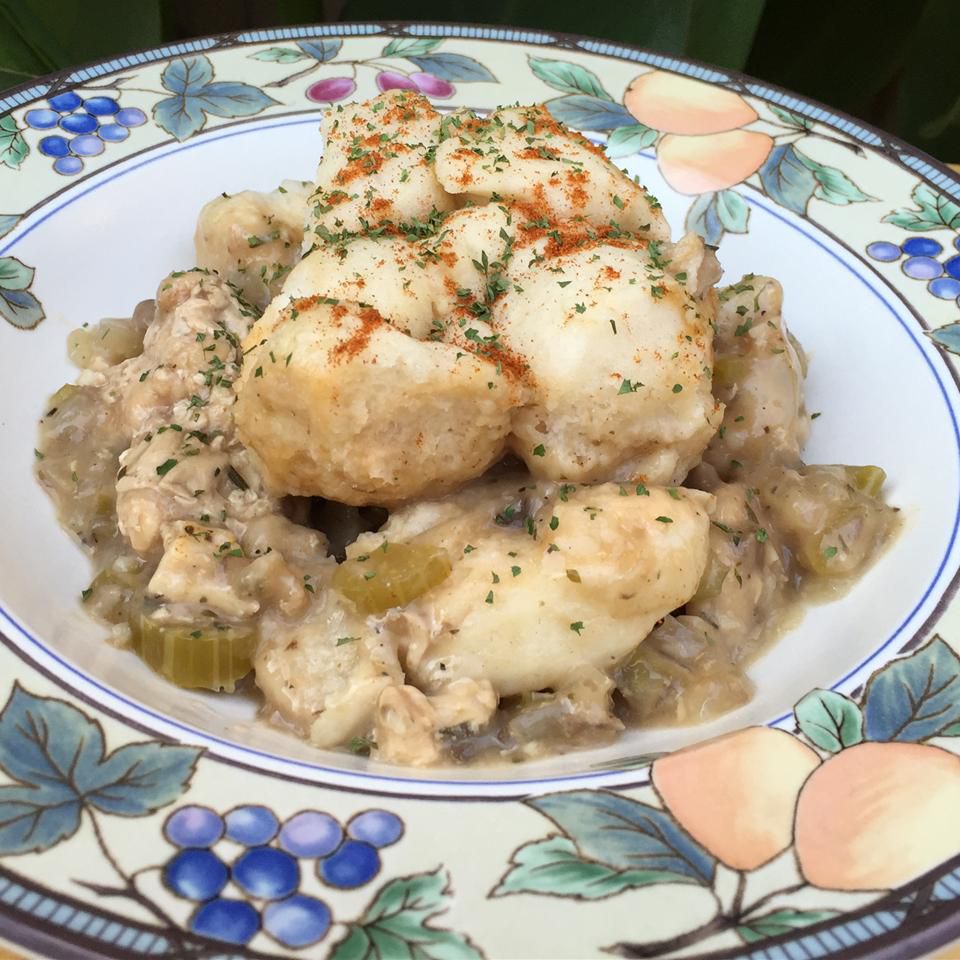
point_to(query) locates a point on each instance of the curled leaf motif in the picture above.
(568, 77)
(790, 118)
(915, 697)
(18, 305)
(713, 214)
(554, 867)
(791, 178)
(397, 924)
(625, 834)
(829, 720)
(629, 139)
(323, 50)
(58, 757)
(410, 46)
(833, 185)
(583, 112)
(933, 210)
(279, 55)
(787, 179)
(196, 94)
(13, 148)
(187, 75)
(453, 67)
(947, 336)
(778, 922)
(7, 222)
(14, 274)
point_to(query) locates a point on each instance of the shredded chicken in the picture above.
(452, 292)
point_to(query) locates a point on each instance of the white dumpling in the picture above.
(336, 402)
(565, 580)
(523, 156)
(620, 353)
(416, 283)
(376, 166)
(253, 239)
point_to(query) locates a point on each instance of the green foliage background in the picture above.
(884, 61)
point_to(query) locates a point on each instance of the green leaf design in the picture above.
(397, 924)
(196, 94)
(568, 77)
(57, 756)
(583, 112)
(279, 55)
(713, 214)
(834, 185)
(630, 139)
(21, 308)
(782, 921)
(7, 222)
(14, 274)
(187, 75)
(786, 179)
(947, 336)
(17, 304)
(702, 218)
(453, 67)
(180, 116)
(410, 46)
(791, 118)
(231, 99)
(323, 50)
(13, 148)
(624, 834)
(933, 210)
(555, 868)
(732, 211)
(830, 720)
(914, 698)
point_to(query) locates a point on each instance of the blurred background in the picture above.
(889, 62)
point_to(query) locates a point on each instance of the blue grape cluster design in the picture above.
(259, 888)
(84, 126)
(923, 262)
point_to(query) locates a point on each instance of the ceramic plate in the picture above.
(139, 820)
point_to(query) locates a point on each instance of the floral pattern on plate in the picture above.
(708, 139)
(238, 874)
(124, 844)
(859, 797)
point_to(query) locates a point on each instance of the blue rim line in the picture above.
(956, 436)
(468, 784)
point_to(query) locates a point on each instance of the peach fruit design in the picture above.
(715, 161)
(703, 148)
(672, 103)
(708, 139)
(858, 797)
(878, 815)
(736, 794)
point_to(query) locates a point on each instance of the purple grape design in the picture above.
(405, 63)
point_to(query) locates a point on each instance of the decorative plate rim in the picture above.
(445, 28)
(891, 148)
